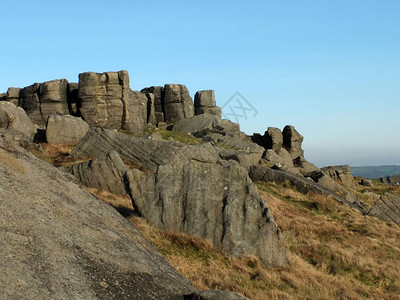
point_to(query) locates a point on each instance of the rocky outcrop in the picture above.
(104, 173)
(41, 100)
(106, 100)
(14, 118)
(12, 96)
(387, 208)
(60, 242)
(197, 125)
(177, 103)
(174, 194)
(292, 141)
(204, 103)
(341, 174)
(65, 129)
(301, 184)
(233, 216)
(366, 182)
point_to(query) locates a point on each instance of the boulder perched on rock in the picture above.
(233, 216)
(366, 182)
(204, 103)
(197, 124)
(104, 173)
(12, 95)
(15, 118)
(60, 242)
(177, 103)
(292, 141)
(341, 174)
(41, 100)
(65, 129)
(387, 208)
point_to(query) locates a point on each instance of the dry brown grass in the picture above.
(335, 253)
(122, 203)
(57, 155)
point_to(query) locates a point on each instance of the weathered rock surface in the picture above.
(103, 173)
(220, 295)
(301, 184)
(15, 118)
(197, 124)
(204, 103)
(107, 101)
(292, 141)
(232, 216)
(387, 208)
(341, 174)
(366, 182)
(65, 129)
(60, 242)
(150, 153)
(177, 103)
(12, 95)
(41, 100)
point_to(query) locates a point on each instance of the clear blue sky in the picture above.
(330, 68)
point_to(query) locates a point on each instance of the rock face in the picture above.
(157, 92)
(60, 242)
(292, 141)
(387, 208)
(233, 216)
(204, 103)
(65, 129)
(12, 95)
(103, 173)
(41, 100)
(15, 118)
(342, 174)
(107, 101)
(177, 103)
(175, 193)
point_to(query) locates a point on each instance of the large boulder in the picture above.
(12, 95)
(106, 100)
(204, 103)
(273, 138)
(60, 242)
(341, 174)
(197, 124)
(177, 103)
(387, 208)
(41, 100)
(65, 129)
(104, 173)
(15, 118)
(232, 216)
(292, 141)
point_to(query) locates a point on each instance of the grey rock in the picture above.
(272, 157)
(301, 184)
(215, 111)
(177, 103)
(273, 138)
(197, 124)
(65, 129)
(233, 216)
(303, 165)
(12, 95)
(151, 113)
(103, 173)
(60, 242)
(244, 158)
(366, 182)
(158, 92)
(286, 157)
(72, 96)
(341, 174)
(385, 180)
(292, 141)
(387, 208)
(148, 152)
(204, 99)
(107, 101)
(15, 118)
(43, 99)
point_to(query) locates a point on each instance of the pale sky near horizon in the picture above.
(330, 68)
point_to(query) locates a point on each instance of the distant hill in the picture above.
(375, 171)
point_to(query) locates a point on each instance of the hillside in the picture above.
(375, 171)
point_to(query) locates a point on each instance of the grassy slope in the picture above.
(335, 252)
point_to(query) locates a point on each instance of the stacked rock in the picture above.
(204, 103)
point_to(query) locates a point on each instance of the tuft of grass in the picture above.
(57, 155)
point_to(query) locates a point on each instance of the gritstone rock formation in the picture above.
(60, 242)
(15, 118)
(65, 129)
(387, 208)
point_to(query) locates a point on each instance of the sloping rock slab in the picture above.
(104, 173)
(59, 242)
(387, 208)
(15, 118)
(217, 202)
(151, 153)
(301, 184)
